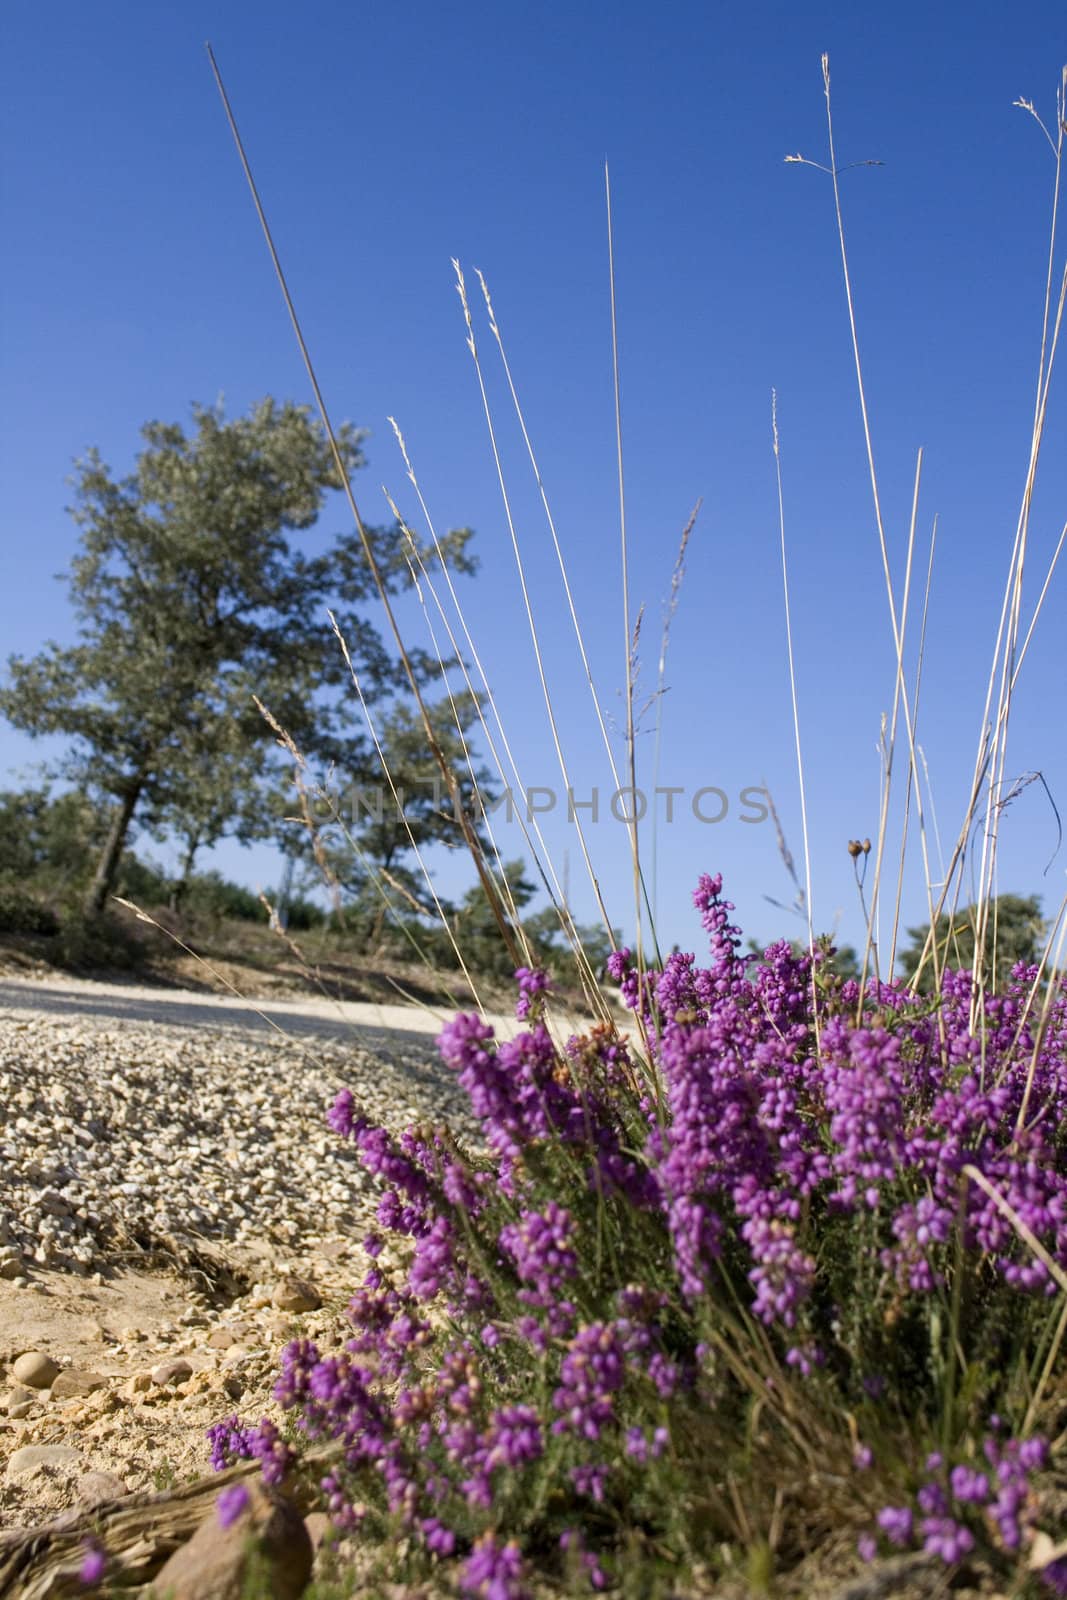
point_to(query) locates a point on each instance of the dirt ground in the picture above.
(147, 1362)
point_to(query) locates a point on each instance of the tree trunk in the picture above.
(108, 865)
(178, 893)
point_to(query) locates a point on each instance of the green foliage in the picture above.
(190, 598)
(48, 841)
(1015, 932)
(23, 913)
(360, 835)
(101, 943)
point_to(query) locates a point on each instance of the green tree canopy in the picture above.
(1015, 924)
(44, 840)
(190, 597)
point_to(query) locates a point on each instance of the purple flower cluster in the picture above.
(794, 1152)
(997, 1498)
(230, 1442)
(533, 985)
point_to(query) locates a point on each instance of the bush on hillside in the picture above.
(23, 913)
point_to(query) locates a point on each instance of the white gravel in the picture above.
(137, 1136)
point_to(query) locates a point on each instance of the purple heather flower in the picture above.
(231, 1504)
(533, 983)
(636, 1445)
(230, 1442)
(897, 1523)
(439, 1539)
(969, 1486)
(493, 1571)
(1054, 1577)
(590, 1479)
(94, 1564)
(947, 1539)
(931, 1500)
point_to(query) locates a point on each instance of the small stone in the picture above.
(35, 1458)
(11, 1268)
(320, 1529)
(94, 1488)
(296, 1294)
(17, 1395)
(221, 1339)
(140, 1383)
(214, 1564)
(35, 1369)
(21, 1410)
(171, 1372)
(73, 1384)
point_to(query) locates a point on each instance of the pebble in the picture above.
(74, 1383)
(94, 1488)
(35, 1369)
(35, 1458)
(18, 1395)
(297, 1295)
(171, 1372)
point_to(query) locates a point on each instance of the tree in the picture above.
(45, 841)
(190, 598)
(1014, 920)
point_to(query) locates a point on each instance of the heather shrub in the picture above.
(795, 1259)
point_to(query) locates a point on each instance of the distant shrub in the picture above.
(95, 944)
(209, 894)
(22, 913)
(304, 914)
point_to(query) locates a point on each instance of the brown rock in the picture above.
(213, 1564)
(35, 1458)
(35, 1369)
(73, 1383)
(320, 1529)
(18, 1395)
(335, 1249)
(171, 1372)
(221, 1339)
(94, 1488)
(296, 1294)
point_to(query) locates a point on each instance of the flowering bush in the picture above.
(796, 1260)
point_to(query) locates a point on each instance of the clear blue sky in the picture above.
(387, 139)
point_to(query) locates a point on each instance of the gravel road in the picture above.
(130, 1115)
(182, 1008)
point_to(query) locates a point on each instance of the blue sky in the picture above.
(387, 140)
